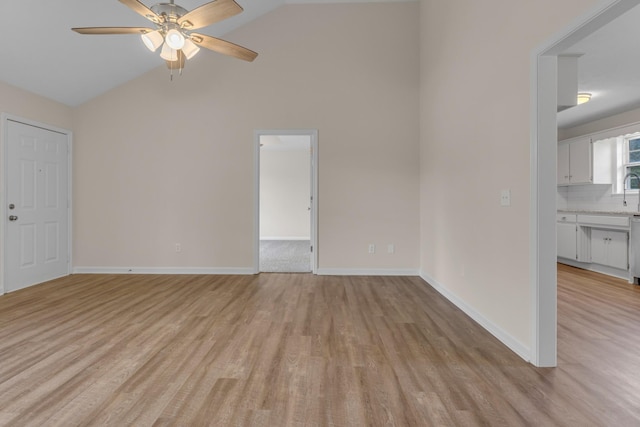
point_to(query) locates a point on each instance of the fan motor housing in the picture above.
(170, 10)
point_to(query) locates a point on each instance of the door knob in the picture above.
(12, 218)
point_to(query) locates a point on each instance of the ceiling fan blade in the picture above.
(178, 64)
(223, 46)
(209, 13)
(142, 10)
(112, 30)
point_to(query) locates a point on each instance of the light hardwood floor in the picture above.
(297, 349)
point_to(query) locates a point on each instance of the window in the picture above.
(632, 161)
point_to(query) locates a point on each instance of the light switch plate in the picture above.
(505, 198)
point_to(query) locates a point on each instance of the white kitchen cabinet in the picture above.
(567, 240)
(597, 242)
(581, 161)
(610, 248)
(563, 164)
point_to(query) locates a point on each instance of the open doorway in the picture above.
(544, 78)
(286, 201)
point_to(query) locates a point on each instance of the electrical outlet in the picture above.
(391, 248)
(178, 247)
(372, 248)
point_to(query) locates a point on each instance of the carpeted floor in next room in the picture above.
(285, 256)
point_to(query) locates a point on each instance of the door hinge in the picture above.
(311, 249)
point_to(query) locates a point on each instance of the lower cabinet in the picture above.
(609, 247)
(567, 240)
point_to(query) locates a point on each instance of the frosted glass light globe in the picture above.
(168, 54)
(152, 40)
(174, 39)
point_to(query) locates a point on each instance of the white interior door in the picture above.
(37, 221)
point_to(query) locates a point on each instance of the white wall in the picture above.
(285, 191)
(595, 197)
(475, 141)
(161, 162)
(34, 107)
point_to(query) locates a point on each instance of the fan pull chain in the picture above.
(171, 72)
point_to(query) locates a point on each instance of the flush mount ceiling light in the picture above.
(583, 97)
(174, 27)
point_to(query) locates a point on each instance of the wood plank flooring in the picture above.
(303, 350)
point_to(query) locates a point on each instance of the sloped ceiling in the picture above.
(40, 53)
(608, 69)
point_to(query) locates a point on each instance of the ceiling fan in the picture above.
(174, 27)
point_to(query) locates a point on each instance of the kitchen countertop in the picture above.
(593, 212)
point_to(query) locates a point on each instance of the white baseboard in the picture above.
(516, 346)
(286, 238)
(164, 270)
(365, 272)
(238, 271)
(602, 269)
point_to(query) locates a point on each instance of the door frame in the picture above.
(543, 187)
(313, 134)
(5, 118)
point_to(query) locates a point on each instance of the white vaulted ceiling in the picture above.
(40, 53)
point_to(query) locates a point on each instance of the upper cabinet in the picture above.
(581, 161)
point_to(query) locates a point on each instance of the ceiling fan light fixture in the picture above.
(152, 40)
(190, 49)
(173, 34)
(175, 39)
(168, 54)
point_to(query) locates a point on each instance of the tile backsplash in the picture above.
(594, 197)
